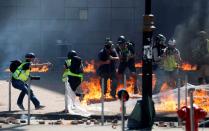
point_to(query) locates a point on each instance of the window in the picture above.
(83, 14)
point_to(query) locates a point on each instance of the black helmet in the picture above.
(107, 39)
(108, 44)
(71, 54)
(160, 38)
(30, 55)
(121, 39)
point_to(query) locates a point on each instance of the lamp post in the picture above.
(147, 103)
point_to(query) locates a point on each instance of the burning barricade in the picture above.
(92, 85)
(37, 67)
(167, 101)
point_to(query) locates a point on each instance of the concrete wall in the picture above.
(43, 26)
(39, 25)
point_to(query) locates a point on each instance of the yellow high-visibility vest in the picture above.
(67, 72)
(21, 74)
(170, 63)
(64, 76)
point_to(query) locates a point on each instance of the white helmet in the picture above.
(172, 42)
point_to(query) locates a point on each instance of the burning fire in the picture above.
(40, 67)
(168, 103)
(90, 67)
(93, 87)
(138, 65)
(130, 84)
(164, 87)
(44, 67)
(188, 67)
(201, 98)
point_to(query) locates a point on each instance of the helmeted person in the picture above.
(126, 54)
(72, 76)
(67, 64)
(19, 81)
(200, 55)
(107, 66)
(158, 51)
(171, 62)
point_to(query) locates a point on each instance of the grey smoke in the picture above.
(186, 33)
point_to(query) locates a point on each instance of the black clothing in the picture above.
(160, 49)
(125, 59)
(130, 64)
(107, 69)
(76, 65)
(26, 66)
(77, 68)
(74, 82)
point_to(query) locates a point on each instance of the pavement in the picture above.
(51, 94)
(67, 125)
(79, 128)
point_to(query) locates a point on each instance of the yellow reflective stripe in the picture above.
(68, 62)
(69, 73)
(21, 74)
(18, 71)
(65, 75)
(24, 75)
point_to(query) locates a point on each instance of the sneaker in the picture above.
(21, 106)
(39, 107)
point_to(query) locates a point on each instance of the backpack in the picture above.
(14, 65)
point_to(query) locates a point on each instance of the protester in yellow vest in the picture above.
(72, 76)
(67, 64)
(19, 79)
(171, 62)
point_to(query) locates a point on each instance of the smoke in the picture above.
(21, 31)
(186, 33)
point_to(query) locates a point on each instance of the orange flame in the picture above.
(93, 87)
(138, 65)
(164, 87)
(89, 67)
(168, 103)
(40, 67)
(201, 99)
(130, 84)
(37, 67)
(188, 67)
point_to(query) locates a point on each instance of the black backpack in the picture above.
(14, 65)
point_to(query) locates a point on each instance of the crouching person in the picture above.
(20, 77)
(73, 76)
